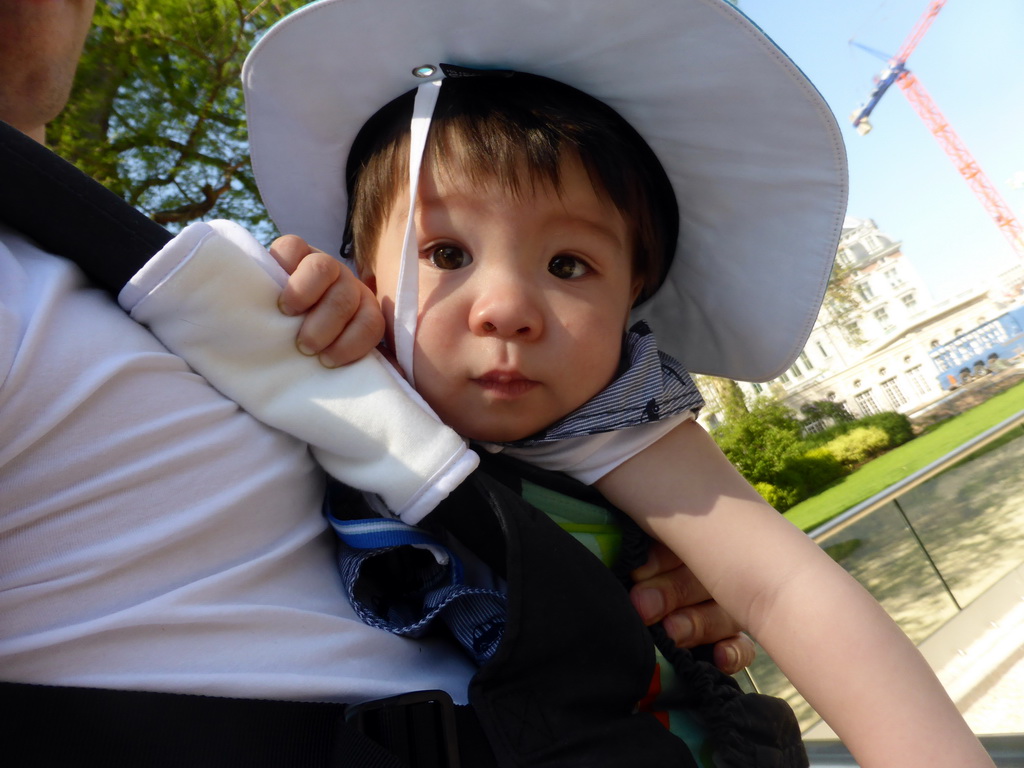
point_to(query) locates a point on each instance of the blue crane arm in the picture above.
(888, 76)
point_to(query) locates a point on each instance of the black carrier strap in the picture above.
(70, 214)
(53, 726)
(576, 657)
(48, 726)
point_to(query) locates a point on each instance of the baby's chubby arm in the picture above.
(829, 636)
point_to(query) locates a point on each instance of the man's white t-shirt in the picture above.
(153, 535)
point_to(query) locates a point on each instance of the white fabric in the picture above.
(591, 457)
(407, 299)
(155, 536)
(761, 201)
(207, 300)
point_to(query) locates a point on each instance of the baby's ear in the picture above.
(638, 285)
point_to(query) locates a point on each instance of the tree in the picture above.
(826, 409)
(157, 111)
(841, 305)
(723, 396)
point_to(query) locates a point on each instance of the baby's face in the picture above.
(522, 302)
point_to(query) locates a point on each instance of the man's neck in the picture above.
(38, 133)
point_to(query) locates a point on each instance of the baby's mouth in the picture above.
(508, 384)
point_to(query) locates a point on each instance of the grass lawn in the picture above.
(890, 468)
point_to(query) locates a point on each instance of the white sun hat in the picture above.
(753, 153)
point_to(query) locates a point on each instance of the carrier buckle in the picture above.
(418, 727)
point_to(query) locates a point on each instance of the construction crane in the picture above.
(896, 72)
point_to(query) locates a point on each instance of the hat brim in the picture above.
(752, 150)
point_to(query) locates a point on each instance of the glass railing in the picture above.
(930, 546)
(1006, 751)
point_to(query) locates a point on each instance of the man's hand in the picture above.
(668, 592)
(343, 320)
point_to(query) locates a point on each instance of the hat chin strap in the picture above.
(407, 291)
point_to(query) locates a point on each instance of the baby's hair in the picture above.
(516, 129)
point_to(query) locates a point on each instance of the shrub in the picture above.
(811, 472)
(760, 443)
(896, 425)
(780, 498)
(765, 445)
(858, 445)
(818, 439)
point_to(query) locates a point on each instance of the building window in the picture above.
(893, 393)
(894, 278)
(784, 378)
(806, 361)
(795, 371)
(864, 289)
(917, 379)
(844, 258)
(853, 333)
(882, 316)
(821, 349)
(866, 403)
(812, 427)
(909, 300)
(758, 389)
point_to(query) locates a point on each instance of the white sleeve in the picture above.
(591, 457)
(210, 295)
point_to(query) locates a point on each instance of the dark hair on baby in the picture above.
(516, 128)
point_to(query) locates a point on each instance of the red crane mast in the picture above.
(897, 72)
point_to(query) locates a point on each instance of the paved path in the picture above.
(971, 519)
(997, 703)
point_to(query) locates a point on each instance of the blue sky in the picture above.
(970, 63)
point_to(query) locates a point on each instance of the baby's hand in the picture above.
(343, 320)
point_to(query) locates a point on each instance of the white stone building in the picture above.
(874, 356)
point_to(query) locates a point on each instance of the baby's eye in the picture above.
(449, 257)
(568, 267)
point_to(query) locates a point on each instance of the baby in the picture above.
(527, 273)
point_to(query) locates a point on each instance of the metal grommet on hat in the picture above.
(761, 208)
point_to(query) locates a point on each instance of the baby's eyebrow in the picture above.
(431, 202)
(595, 228)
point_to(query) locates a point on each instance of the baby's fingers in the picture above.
(362, 333)
(343, 321)
(312, 281)
(289, 250)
